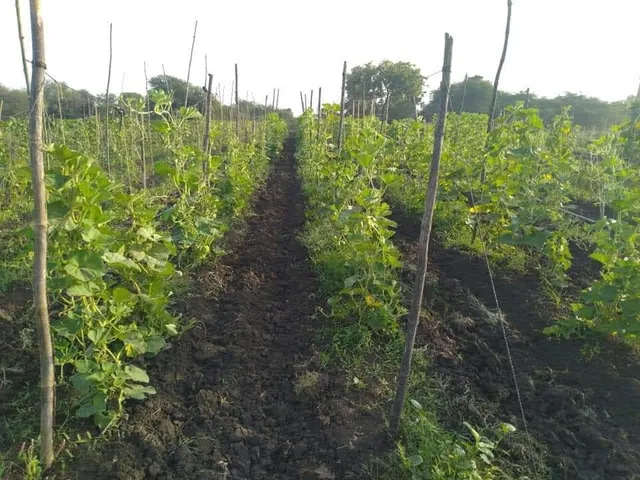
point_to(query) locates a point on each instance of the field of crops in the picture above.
(229, 298)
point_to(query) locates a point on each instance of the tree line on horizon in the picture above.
(62, 101)
(389, 90)
(394, 90)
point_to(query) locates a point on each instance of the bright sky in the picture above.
(587, 47)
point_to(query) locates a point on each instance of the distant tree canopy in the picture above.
(589, 112)
(399, 82)
(81, 103)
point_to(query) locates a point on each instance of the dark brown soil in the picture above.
(242, 395)
(585, 412)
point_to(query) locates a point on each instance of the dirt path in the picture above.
(227, 404)
(585, 413)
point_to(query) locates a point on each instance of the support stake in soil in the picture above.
(425, 233)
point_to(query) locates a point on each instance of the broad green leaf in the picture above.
(138, 392)
(118, 260)
(86, 410)
(82, 290)
(136, 374)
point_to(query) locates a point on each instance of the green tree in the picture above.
(589, 112)
(178, 88)
(400, 82)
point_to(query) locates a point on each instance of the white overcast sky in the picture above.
(582, 46)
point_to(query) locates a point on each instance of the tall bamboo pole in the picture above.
(22, 50)
(319, 109)
(341, 126)
(464, 91)
(107, 98)
(207, 126)
(237, 104)
(193, 44)
(47, 379)
(425, 233)
(494, 97)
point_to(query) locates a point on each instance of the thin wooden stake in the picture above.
(193, 44)
(237, 104)
(386, 111)
(494, 97)
(107, 98)
(22, 51)
(341, 126)
(311, 100)
(425, 233)
(273, 100)
(319, 109)
(302, 102)
(207, 127)
(47, 378)
(464, 91)
(277, 99)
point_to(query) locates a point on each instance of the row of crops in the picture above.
(528, 194)
(132, 206)
(348, 235)
(528, 191)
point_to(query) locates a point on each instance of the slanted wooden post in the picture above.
(107, 98)
(425, 233)
(277, 99)
(494, 97)
(301, 101)
(237, 105)
(21, 38)
(319, 109)
(47, 378)
(273, 100)
(341, 127)
(193, 44)
(207, 124)
(464, 92)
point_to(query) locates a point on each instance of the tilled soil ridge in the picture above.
(241, 395)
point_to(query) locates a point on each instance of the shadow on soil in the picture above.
(586, 414)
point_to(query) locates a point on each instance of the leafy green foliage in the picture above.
(115, 248)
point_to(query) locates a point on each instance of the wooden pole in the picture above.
(494, 97)
(237, 104)
(193, 44)
(306, 105)
(341, 126)
(47, 379)
(277, 99)
(415, 108)
(301, 102)
(22, 51)
(319, 109)
(526, 99)
(166, 79)
(425, 233)
(464, 92)
(273, 100)
(207, 125)
(388, 102)
(206, 70)
(311, 100)
(107, 98)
